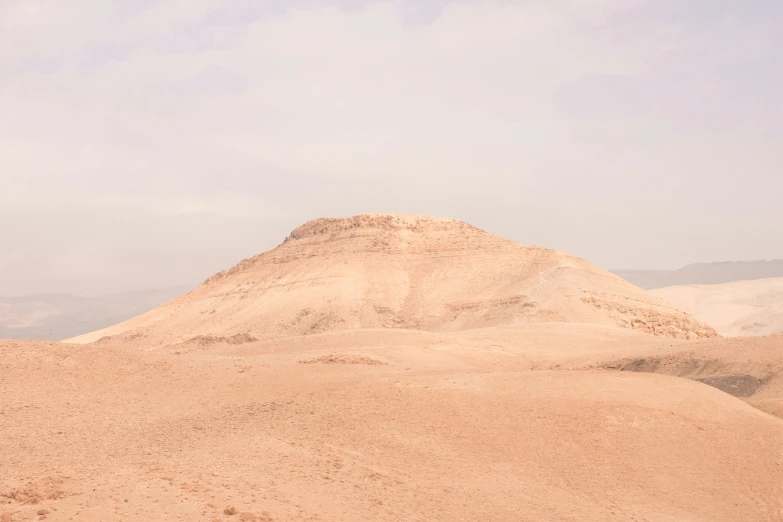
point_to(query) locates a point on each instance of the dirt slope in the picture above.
(414, 272)
(383, 425)
(741, 308)
(750, 368)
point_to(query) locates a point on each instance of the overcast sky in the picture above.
(152, 143)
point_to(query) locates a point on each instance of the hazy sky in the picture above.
(152, 143)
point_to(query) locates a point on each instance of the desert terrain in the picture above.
(397, 368)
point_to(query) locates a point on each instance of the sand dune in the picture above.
(741, 308)
(396, 368)
(416, 272)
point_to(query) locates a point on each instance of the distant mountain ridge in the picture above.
(54, 317)
(704, 273)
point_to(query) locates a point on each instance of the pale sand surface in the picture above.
(741, 308)
(454, 403)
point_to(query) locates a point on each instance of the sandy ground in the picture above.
(379, 425)
(741, 308)
(396, 369)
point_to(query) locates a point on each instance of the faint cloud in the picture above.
(104, 52)
(211, 81)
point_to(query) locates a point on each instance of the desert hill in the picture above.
(740, 308)
(405, 272)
